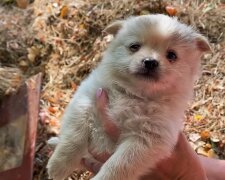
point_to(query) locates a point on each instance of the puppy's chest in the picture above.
(130, 114)
(136, 115)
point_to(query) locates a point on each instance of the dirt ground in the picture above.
(64, 40)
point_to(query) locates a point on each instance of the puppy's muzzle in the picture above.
(150, 64)
(149, 68)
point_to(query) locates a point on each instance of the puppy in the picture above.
(148, 71)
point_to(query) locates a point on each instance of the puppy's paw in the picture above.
(53, 141)
(56, 170)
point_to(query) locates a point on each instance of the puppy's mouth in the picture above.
(147, 74)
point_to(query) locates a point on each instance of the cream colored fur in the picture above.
(148, 111)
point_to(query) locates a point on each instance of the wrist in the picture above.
(214, 168)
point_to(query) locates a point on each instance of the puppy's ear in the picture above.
(203, 44)
(113, 28)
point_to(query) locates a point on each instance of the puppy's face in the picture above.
(155, 50)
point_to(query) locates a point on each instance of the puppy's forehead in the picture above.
(156, 27)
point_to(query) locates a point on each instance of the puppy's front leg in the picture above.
(72, 142)
(132, 159)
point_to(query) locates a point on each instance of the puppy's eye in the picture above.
(171, 55)
(134, 47)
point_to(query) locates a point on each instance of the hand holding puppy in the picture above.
(182, 164)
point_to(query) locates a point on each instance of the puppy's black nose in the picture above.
(150, 64)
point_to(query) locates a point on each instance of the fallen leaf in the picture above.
(202, 151)
(198, 117)
(54, 122)
(52, 99)
(210, 108)
(171, 10)
(81, 26)
(208, 147)
(23, 63)
(33, 52)
(64, 11)
(212, 154)
(22, 3)
(194, 137)
(73, 85)
(52, 109)
(31, 57)
(205, 134)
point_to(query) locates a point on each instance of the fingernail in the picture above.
(99, 92)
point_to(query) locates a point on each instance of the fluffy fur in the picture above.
(148, 108)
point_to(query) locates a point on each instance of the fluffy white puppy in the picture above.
(148, 71)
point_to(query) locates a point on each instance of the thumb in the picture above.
(108, 125)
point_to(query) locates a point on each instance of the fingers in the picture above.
(190, 168)
(110, 129)
(109, 126)
(103, 157)
(92, 166)
(214, 168)
(183, 146)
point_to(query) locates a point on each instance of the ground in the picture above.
(64, 40)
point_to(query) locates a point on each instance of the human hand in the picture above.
(182, 164)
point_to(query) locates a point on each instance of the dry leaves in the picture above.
(172, 11)
(22, 3)
(205, 134)
(64, 12)
(10, 80)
